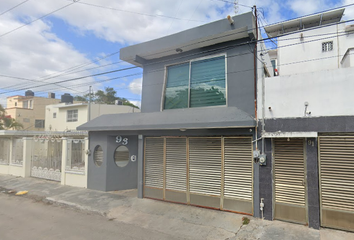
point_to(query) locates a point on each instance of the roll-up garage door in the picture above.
(176, 170)
(290, 184)
(205, 171)
(213, 172)
(238, 175)
(337, 181)
(154, 168)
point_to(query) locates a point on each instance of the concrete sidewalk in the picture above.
(185, 222)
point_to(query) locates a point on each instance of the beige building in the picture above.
(29, 110)
(66, 117)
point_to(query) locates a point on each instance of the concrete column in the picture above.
(266, 182)
(27, 156)
(63, 160)
(87, 147)
(313, 201)
(256, 199)
(140, 165)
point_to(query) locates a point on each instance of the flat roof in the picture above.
(69, 105)
(198, 37)
(297, 24)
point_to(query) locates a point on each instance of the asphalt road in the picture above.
(31, 219)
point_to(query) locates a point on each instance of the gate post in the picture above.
(313, 183)
(27, 157)
(64, 156)
(140, 166)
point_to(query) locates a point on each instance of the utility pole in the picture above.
(89, 106)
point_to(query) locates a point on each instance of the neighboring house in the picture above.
(68, 116)
(309, 123)
(193, 141)
(29, 110)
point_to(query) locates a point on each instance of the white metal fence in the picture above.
(50, 157)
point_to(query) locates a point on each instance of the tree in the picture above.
(6, 122)
(108, 96)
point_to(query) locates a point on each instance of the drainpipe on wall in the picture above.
(263, 109)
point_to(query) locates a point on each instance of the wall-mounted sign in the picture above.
(133, 158)
(120, 139)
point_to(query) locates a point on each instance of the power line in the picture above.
(46, 15)
(73, 79)
(239, 71)
(71, 69)
(14, 7)
(79, 66)
(247, 43)
(242, 5)
(132, 12)
(213, 50)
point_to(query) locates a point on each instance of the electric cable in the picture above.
(266, 39)
(44, 16)
(14, 7)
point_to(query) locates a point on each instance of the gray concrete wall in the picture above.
(240, 76)
(96, 175)
(108, 176)
(121, 178)
(313, 183)
(266, 182)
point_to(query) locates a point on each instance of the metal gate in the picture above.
(336, 158)
(213, 172)
(290, 180)
(46, 158)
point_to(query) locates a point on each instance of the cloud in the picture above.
(127, 21)
(349, 12)
(35, 51)
(135, 86)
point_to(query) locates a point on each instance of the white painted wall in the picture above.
(328, 92)
(296, 55)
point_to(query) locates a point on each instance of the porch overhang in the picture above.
(181, 119)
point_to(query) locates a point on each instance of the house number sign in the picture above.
(120, 139)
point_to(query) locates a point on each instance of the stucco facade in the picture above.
(58, 118)
(27, 109)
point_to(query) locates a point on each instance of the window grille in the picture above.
(327, 46)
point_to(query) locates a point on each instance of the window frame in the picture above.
(72, 120)
(189, 83)
(36, 122)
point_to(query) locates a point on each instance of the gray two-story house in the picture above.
(193, 141)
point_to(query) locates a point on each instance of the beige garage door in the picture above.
(336, 160)
(213, 172)
(289, 180)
